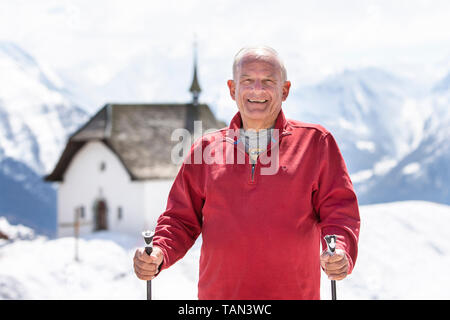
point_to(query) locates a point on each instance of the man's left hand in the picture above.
(336, 265)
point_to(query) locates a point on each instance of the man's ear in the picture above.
(232, 87)
(286, 87)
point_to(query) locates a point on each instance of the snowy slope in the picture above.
(402, 255)
(403, 252)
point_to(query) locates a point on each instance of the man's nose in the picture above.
(258, 85)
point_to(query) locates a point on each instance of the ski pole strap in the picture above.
(331, 243)
(148, 237)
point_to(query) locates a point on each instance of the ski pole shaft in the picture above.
(149, 251)
(331, 244)
(333, 289)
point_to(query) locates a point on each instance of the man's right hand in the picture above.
(146, 266)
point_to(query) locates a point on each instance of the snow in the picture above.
(15, 232)
(403, 252)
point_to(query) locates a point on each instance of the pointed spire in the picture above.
(195, 86)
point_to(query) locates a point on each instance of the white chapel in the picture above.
(115, 172)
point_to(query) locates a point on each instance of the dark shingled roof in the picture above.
(140, 136)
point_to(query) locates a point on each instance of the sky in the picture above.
(91, 43)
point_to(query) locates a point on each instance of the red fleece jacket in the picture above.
(261, 232)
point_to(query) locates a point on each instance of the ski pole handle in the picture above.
(331, 243)
(331, 246)
(148, 237)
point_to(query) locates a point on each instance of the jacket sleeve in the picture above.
(180, 224)
(335, 201)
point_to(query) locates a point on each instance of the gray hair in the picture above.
(258, 52)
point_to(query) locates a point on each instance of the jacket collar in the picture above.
(281, 122)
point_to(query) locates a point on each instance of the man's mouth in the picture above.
(257, 100)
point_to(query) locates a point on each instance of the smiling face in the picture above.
(259, 89)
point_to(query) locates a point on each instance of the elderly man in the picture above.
(261, 229)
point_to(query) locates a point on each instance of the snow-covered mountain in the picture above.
(386, 127)
(424, 173)
(36, 111)
(36, 116)
(373, 114)
(25, 198)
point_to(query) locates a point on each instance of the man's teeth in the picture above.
(259, 101)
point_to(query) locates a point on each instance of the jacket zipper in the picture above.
(254, 164)
(253, 171)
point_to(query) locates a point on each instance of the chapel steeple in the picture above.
(195, 86)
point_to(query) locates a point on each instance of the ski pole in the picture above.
(148, 237)
(331, 244)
